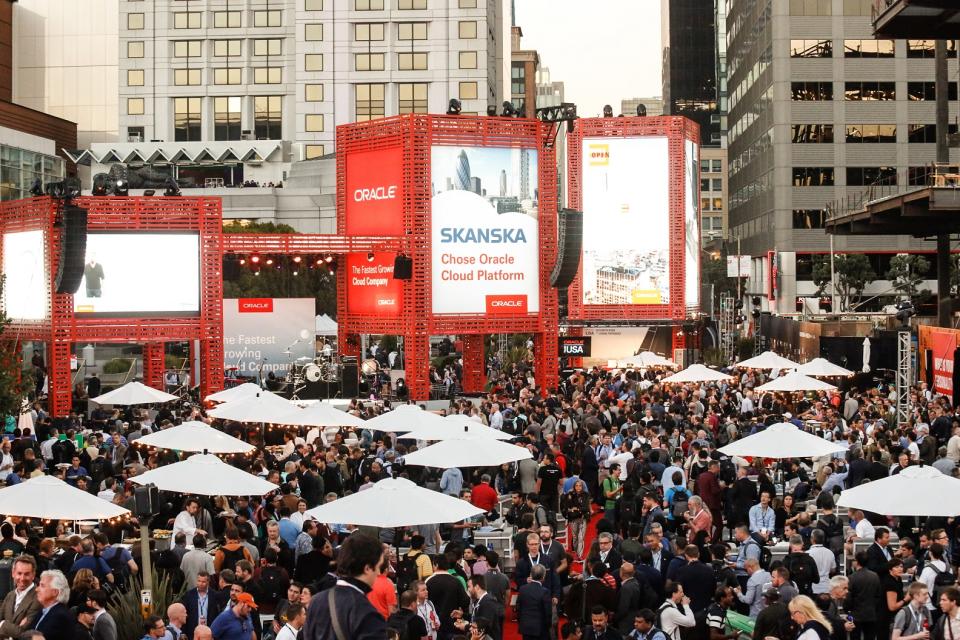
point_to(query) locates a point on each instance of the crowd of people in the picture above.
(626, 522)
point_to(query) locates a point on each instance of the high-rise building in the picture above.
(523, 75)
(820, 110)
(654, 106)
(689, 37)
(549, 93)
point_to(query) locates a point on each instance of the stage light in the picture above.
(905, 311)
(101, 184)
(508, 110)
(642, 110)
(243, 261)
(370, 256)
(269, 261)
(297, 259)
(173, 189)
(257, 272)
(328, 259)
(255, 259)
(296, 273)
(491, 110)
(607, 111)
(454, 108)
(755, 300)
(37, 188)
(332, 272)
(149, 192)
(121, 187)
(319, 261)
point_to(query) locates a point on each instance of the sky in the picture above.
(602, 50)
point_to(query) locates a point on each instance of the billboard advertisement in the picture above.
(574, 346)
(24, 291)
(610, 344)
(271, 333)
(140, 274)
(691, 223)
(626, 215)
(485, 233)
(374, 193)
(371, 287)
(944, 346)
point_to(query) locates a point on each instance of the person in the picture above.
(780, 580)
(892, 598)
(836, 610)
(83, 628)
(296, 617)
(697, 579)
(723, 599)
(55, 621)
(606, 553)
(447, 594)
(575, 507)
(415, 564)
(600, 628)
(878, 555)
(913, 621)
(176, 619)
(805, 614)
(345, 606)
(752, 595)
(675, 612)
(948, 626)
(825, 561)
(762, 519)
(534, 556)
(803, 568)
(196, 561)
(405, 620)
(93, 277)
(186, 520)
(534, 610)
(383, 593)
(632, 597)
(203, 604)
(484, 607)
(203, 632)
(863, 599)
(88, 560)
(425, 609)
(154, 629)
(774, 619)
(20, 606)
(644, 627)
(234, 622)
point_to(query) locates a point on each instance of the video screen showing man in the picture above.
(93, 277)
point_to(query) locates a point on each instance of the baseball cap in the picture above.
(247, 599)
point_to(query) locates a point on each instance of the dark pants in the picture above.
(865, 631)
(717, 525)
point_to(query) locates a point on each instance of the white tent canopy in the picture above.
(647, 359)
(768, 360)
(262, 407)
(50, 498)
(697, 373)
(456, 426)
(467, 452)
(195, 436)
(239, 392)
(394, 502)
(133, 393)
(823, 368)
(915, 491)
(780, 441)
(205, 475)
(794, 381)
(406, 417)
(326, 326)
(320, 415)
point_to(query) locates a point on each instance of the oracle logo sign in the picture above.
(376, 193)
(506, 305)
(255, 305)
(575, 346)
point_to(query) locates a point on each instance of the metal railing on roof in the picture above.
(936, 174)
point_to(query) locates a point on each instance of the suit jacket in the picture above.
(105, 628)
(876, 561)
(863, 600)
(522, 571)
(29, 608)
(534, 612)
(191, 600)
(57, 624)
(698, 583)
(630, 601)
(489, 608)
(613, 562)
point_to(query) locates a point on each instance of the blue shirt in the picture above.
(451, 482)
(761, 519)
(289, 532)
(228, 626)
(98, 566)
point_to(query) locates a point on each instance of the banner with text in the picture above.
(374, 193)
(371, 287)
(943, 345)
(485, 231)
(268, 332)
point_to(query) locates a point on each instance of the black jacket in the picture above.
(876, 561)
(522, 571)
(698, 583)
(635, 594)
(863, 600)
(358, 619)
(58, 624)
(446, 593)
(191, 601)
(489, 608)
(534, 613)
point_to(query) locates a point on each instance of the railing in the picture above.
(879, 7)
(937, 174)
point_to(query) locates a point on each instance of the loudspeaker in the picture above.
(570, 243)
(402, 268)
(146, 500)
(73, 249)
(350, 387)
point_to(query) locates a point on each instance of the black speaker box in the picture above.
(146, 500)
(351, 377)
(402, 268)
(73, 249)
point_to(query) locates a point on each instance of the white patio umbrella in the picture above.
(320, 415)
(697, 373)
(134, 393)
(50, 498)
(647, 359)
(262, 407)
(768, 360)
(455, 426)
(915, 491)
(866, 355)
(205, 475)
(238, 392)
(467, 452)
(794, 381)
(782, 440)
(196, 436)
(406, 417)
(394, 502)
(823, 368)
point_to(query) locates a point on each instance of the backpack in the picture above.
(680, 499)
(941, 581)
(231, 557)
(766, 556)
(549, 517)
(800, 569)
(273, 586)
(117, 566)
(407, 571)
(681, 633)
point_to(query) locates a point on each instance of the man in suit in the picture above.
(21, 603)
(697, 579)
(709, 489)
(483, 606)
(606, 554)
(203, 604)
(533, 557)
(877, 554)
(635, 594)
(104, 626)
(600, 628)
(55, 621)
(534, 611)
(863, 599)
(659, 557)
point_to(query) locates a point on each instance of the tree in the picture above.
(907, 272)
(257, 227)
(713, 271)
(14, 383)
(853, 273)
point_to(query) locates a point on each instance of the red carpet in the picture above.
(510, 627)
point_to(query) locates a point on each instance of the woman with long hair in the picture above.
(810, 620)
(575, 507)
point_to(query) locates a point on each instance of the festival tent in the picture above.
(823, 368)
(475, 451)
(455, 426)
(195, 436)
(768, 360)
(406, 417)
(133, 393)
(915, 491)
(697, 373)
(239, 392)
(205, 475)
(781, 441)
(794, 381)
(49, 498)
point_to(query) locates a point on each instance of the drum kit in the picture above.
(322, 368)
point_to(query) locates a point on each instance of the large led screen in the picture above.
(626, 232)
(691, 223)
(24, 289)
(134, 274)
(485, 242)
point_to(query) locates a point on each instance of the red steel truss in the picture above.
(414, 135)
(677, 130)
(62, 328)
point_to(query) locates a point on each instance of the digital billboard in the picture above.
(268, 334)
(371, 287)
(24, 289)
(485, 231)
(691, 224)
(374, 193)
(626, 215)
(140, 274)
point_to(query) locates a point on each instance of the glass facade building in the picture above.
(20, 167)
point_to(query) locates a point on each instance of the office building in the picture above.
(713, 196)
(819, 111)
(523, 75)
(654, 106)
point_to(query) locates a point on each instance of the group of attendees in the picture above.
(626, 522)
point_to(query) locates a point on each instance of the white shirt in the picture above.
(928, 575)
(107, 494)
(866, 530)
(826, 562)
(46, 448)
(287, 633)
(671, 620)
(185, 523)
(6, 465)
(496, 420)
(20, 596)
